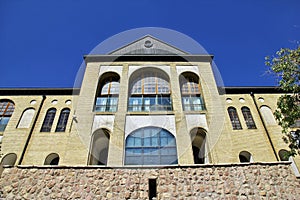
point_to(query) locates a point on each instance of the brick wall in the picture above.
(236, 181)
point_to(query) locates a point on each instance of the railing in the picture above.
(105, 108)
(149, 104)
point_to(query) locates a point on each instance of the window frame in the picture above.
(63, 120)
(107, 101)
(234, 118)
(250, 123)
(48, 120)
(7, 108)
(151, 91)
(144, 149)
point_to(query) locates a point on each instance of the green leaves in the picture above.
(286, 67)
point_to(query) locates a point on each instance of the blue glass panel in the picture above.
(151, 146)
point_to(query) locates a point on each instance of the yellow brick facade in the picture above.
(223, 144)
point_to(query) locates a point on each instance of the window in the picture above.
(283, 155)
(235, 122)
(191, 92)
(268, 115)
(6, 110)
(26, 118)
(150, 146)
(9, 159)
(108, 93)
(245, 156)
(149, 91)
(63, 120)
(248, 118)
(52, 159)
(48, 121)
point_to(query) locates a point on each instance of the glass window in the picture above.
(150, 146)
(108, 94)
(48, 121)
(63, 120)
(235, 121)
(190, 92)
(248, 118)
(149, 91)
(6, 110)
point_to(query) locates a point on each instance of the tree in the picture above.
(286, 66)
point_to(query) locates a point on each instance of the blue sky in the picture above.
(42, 43)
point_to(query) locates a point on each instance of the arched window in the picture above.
(283, 155)
(26, 118)
(9, 159)
(63, 120)
(48, 121)
(108, 93)
(234, 118)
(99, 147)
(248, 118)
(245, 156)
(267, 115)
(198, 138)
(191, 92)
(150, 146)
(52, 159)
(7, 108)
(149, 91)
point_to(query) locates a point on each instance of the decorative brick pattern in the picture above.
(239, 181)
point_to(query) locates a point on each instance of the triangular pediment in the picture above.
(148, 45)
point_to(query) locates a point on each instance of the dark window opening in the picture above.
(248, 118)
(235, 121)
(48, 121)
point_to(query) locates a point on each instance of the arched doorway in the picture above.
(99, 147)
(198, 139)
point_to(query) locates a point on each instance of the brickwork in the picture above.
(240, 181)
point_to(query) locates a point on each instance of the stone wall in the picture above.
(232, 181)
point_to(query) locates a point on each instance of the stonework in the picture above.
(240, 181)
(172, 100)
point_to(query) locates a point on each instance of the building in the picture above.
(147, 104)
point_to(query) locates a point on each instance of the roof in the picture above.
(148, 45)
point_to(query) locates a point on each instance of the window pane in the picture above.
(248, 118)
(235, 122)
(48, 121)
(154, 144)
(63, 120)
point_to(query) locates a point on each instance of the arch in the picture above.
(99, 147)
(26, 118)
(245, 156)
(190, 89)
(267, 115)
(48, 120)
(52, 159)
(7, 108)
(63, 120)
(107, 92)
(150, 146)
(9, 159)
(234, 118)
(283, 155)
(248, 118)
(149, 90)
(198, 139)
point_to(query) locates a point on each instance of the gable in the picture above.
(148, 45)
